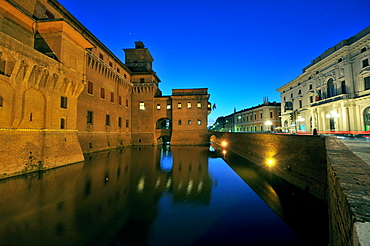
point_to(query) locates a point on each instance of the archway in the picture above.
(367, 119)
(163, 123)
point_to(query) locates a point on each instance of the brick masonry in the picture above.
(325, 167)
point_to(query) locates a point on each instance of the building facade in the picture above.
(64, 93)
(332, 95)
(261, 118)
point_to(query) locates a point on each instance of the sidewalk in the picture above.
(359, 146)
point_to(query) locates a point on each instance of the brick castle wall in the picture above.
(32, 150)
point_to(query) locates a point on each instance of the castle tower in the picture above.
(145, 88)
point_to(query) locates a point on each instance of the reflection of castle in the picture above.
(98, 199)
(69, 94)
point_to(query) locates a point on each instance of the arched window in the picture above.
(288, 106)
(330, 88)
(367, 119)
(163, 123)
(62, 123)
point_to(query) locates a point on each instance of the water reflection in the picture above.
(141, 196)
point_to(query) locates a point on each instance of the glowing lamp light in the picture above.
(270, 162)
(224, 152)
(224, 144)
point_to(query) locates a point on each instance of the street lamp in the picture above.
(268, 124)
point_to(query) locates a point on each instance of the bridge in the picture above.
(322, 166)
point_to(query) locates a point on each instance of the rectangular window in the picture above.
(90, 87)
(179, 122)
(101, 56)
(299, 92)
(126, 103)
(141, 106)
(367, 83)
(199, 122)
(199, 104)
(120, 122)
(110, 64)
(90, 117)
(107, 120)
(142, 80)
(310, 86)
(119, 100)
(127, 123)
(63, 102)
(300, 103)
(311, 99)
(260, 115)
(271, 115)
(102, 93)
(189, 104)
(365, 63)
(112, 96)
(179, 105)
(158, 106)
(168, 106)
(343, 86)
(189, 122)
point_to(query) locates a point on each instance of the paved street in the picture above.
(359, 146)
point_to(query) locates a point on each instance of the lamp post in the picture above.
(331, 116)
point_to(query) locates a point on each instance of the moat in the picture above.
(159, 196)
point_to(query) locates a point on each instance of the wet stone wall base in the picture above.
(25, 150)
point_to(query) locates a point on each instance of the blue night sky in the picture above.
(241, 50)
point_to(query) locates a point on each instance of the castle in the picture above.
(63, 93)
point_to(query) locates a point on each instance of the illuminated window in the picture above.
(141, 106)
(189, 122)
(168, 106)
(199, 122)
(158, 106)
(189, 104)
(179, 105)
(90, 87)
(63, 102)
(199, 104)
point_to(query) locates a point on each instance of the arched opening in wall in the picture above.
(213, 139)
(367, 119)
(163, 123)
(164, 139)
(62, 123)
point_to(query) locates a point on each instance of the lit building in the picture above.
(262, 118)
(332, 95)
(64, 93)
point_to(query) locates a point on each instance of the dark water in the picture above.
(154, 196)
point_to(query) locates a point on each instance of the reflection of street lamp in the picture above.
(268, 124)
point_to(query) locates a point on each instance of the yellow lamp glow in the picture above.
(270, 162)
(224, 144)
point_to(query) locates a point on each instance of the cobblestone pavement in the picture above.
(359, 146)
